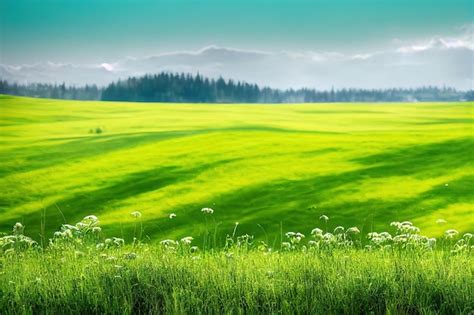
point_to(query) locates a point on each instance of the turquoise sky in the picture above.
(96, 30)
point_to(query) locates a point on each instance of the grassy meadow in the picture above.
(151, 173)
(272, 165)
(269, 167)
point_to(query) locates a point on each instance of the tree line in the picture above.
(171, 87)
(46, 90)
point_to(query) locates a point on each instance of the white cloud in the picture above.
(363, 56)
(439, 43)
(436, 61)
(108, 66)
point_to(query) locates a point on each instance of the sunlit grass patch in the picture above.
(454, 214)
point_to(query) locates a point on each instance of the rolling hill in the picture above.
(272, 168)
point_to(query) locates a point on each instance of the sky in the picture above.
(315, 43)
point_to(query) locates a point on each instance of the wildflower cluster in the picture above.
(465, 244)
(340, 238)
(407, 236)
(16, 242)
(114, 242)
(379, 240)
(294, 238)
(87, 235)
(87, 231)
(183, 245)
(242, 242)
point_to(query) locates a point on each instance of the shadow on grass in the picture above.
(73, 209)
(296, 203)
(87, 147)
(83, 147)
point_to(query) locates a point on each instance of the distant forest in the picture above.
(44, 90)
(169, 87)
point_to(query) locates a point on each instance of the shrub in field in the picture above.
(97, 130)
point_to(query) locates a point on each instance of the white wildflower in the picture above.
(395, 224)
(441, 221)
(18, 228)
(80, 225)
(372, 235)
(96, 230)
(68, 227)
(451, 233)
(207, 210)
(324, 218)
(187, 240)
(353, 230)
(339, 230)
(328, 237)
(118, 241)
(167, 243)
(67, 234)
(136, 214)
(316, 231)
(91, 218)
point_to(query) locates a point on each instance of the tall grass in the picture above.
(338, 272)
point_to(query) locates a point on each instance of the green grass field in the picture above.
(343, 282)
(273, 168)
